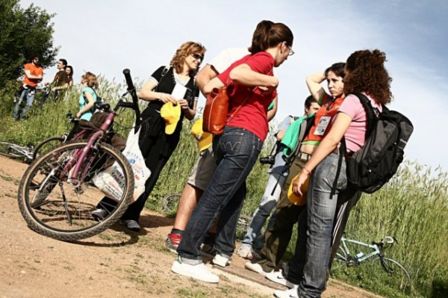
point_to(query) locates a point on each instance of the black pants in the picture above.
(156, 148)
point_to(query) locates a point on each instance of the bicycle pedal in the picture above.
(78, 190)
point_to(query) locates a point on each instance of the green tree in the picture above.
(24, 32)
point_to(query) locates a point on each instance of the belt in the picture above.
(303, 156)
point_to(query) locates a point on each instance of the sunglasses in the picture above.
(197, 56)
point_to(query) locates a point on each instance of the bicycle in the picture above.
(56, 194)
(54, 141)
(30, 152)
(169, 203)
(398, 278)
(14, 151)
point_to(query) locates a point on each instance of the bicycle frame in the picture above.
(81, 156)
(376, 250)
(90, 143)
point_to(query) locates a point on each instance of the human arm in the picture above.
(272, 112)
(313, 83)
(90, 103)
(280, 134)
(62, 87)
(244, 75)
(326, 146)
(282, 127)
(205, 75)
(147, 93)
(31, 76)
(185, 108)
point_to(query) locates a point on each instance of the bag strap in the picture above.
(164, 73)
(237, 109)
(371, 112)
(371, 118)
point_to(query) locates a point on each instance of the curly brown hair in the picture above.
(365, 72)
(91, 79)
(186, 49)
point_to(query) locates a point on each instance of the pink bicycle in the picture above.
(56, 195)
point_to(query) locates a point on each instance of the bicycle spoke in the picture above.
(58, 202)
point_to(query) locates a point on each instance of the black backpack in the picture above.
(388, 132)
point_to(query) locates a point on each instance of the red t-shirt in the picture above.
(252, 103)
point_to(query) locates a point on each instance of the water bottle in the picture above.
(359, 255)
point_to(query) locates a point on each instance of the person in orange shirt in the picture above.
(33, 75)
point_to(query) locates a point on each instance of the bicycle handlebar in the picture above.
(386, 241)
(133, 92)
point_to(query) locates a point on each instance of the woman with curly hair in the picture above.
(156, 142)
(366, 74)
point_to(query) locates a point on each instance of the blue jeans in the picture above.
(27, 94)
(271, 194)
(237, 151)
(321, 208)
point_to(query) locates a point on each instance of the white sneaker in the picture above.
(221, 260)
(245, 251)
(199, 272)
(291, 293)
(277, 277)
(255, 267)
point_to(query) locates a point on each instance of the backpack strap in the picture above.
(371, 113)
(371, 118)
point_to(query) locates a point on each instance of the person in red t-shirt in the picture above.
(252, 87)
(33, 75)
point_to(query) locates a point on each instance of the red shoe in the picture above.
(172, 241)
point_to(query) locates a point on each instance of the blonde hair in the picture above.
(186, 49)
(91, 79)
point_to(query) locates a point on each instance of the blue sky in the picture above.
(105, 36)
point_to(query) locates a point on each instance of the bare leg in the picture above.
(188, 201)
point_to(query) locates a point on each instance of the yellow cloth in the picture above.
(204, 139)
(171, 114)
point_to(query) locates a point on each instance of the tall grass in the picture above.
(413, 207)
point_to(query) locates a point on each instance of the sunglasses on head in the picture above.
(197, 56)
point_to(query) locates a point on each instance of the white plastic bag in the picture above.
(111, 180)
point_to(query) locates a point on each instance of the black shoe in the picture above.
(131, 224)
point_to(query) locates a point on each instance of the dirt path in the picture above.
(112, 264)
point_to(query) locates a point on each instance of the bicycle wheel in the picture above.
(10, 150)
(169, 203)
(57, 205)
(47, 145)
(397, 276)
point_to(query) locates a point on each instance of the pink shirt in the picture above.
(355, 134)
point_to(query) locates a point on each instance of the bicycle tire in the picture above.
(398, 277)
(38, 148)
(7, 150)
(169, 203)
(57, 206)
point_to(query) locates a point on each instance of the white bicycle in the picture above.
(397, 276)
